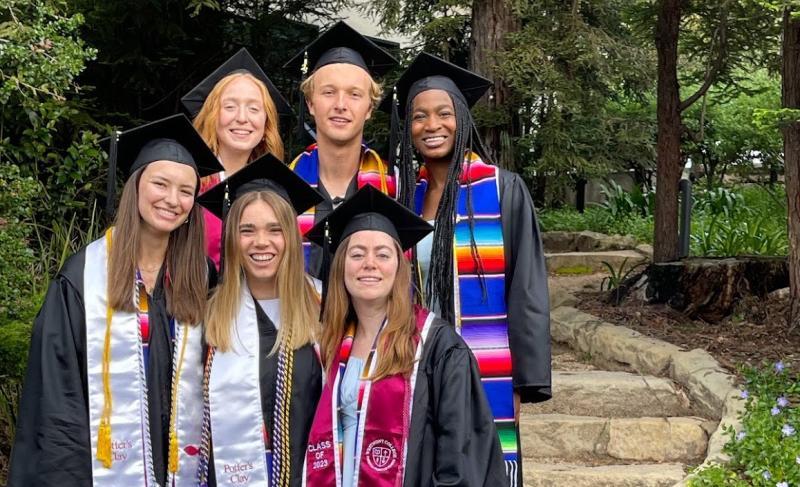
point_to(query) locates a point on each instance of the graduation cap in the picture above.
(241, 62)
(369, 209)
(267, 173)
(428, 72)
(342, 44)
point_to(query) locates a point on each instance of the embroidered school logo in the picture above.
(381, 455)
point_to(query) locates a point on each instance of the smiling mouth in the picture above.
(264, 258)
(434, 141)
(241, 132)
(369, 280)
(339, 120)
(166, 213)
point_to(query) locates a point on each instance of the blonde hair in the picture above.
(298, 302)
(375, 89)
(397, 342)
(206, 121)
(186, 288)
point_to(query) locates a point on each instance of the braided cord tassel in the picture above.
(205, 435)
(281, 464)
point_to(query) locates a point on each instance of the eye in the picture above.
(160, 184)
(356, 255)
(418, 116)
(384, 256)
(255, 109)
(446, 114)
(186, 192)
(245, 231)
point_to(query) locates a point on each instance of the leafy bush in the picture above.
(597, 219)
(16, 210)
(719, 201)
(766, 452)
(621, 202)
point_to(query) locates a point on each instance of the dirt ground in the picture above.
(755, 333)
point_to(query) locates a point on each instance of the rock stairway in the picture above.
(610, 429)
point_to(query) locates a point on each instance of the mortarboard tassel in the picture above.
(111, 184)
(325, 270)
(394, 129)
(301, 109)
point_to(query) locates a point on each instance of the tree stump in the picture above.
(710, 288)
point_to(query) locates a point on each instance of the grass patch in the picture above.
(575, 270)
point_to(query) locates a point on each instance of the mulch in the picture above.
(756, 333)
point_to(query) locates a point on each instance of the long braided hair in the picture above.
(439, 285)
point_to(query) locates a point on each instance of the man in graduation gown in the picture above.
(54, 437)
(340, 94)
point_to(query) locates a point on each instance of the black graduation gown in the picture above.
(52, 445)
(528, 302)
(306, 389)
(452, 438)
(315, 258)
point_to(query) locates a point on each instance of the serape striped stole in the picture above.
(480, 293)
(372, 170)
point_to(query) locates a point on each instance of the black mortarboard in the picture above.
(242, 61)
(342, 44)
(169, 139)
(369, 209)
(267, 173)
(428, 72)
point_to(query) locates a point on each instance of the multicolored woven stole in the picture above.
(371, 171)
(480, 293)
(381, 443)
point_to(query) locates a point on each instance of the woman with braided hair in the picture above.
(262, 375)
(483, 269)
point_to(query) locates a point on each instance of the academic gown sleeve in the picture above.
(453, 440)
(528, 302)
(52, 446)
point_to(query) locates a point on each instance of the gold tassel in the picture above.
(173, 451)
(104, 444)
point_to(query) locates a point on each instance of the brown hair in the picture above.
(375, 89)
(206, 121)
(397, 339)
(186, 289)
(299, 305)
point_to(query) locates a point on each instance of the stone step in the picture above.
(650, 475)
(611, 395)
(589, 439)
(593, 260)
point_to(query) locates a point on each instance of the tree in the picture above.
(719, 40)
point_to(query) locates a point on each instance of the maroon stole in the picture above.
(382, 440)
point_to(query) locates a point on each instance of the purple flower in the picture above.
(782, 484)
(740, 436)
(775, 411)
(779, 366)
(783, 402)
(744, 394)
(787, 430)
(766, 475)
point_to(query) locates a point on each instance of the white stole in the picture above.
(132, 459)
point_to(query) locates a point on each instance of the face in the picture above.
(261, 243)
(166, 195)
(433, 125)
(370, 266)
(240, 126)
(340, 103)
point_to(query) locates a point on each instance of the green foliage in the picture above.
(576, 270)
(623, 203)
(745, 221)
(616, 276)
(596, 219)
(17, 194)
(766, 452)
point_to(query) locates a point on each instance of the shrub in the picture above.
(766, 452)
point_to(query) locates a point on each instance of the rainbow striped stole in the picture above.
(372, 170)
(480, 307)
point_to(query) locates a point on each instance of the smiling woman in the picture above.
(112, 390)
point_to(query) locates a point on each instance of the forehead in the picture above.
(242, 87)
(371, 239)
(174, 171)
(342, 75)
(258, 212)
(432, 99)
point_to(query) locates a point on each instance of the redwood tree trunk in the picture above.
(668, 161)
(791, 150)
(492, 20)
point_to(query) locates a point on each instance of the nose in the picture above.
(432, 123)
(171, 197)
(340, 104)
(261, 239)
(241, 114)
(369, 261)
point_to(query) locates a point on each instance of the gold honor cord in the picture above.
(173, 431)
(104, 432)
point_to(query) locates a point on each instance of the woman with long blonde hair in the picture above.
(262, 375)
(237, 111)
(112, 394)
(403, 402)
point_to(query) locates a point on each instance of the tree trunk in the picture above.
(668, 160)
(492, 20)
(791, 150)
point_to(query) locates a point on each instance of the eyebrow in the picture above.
(364, 247)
